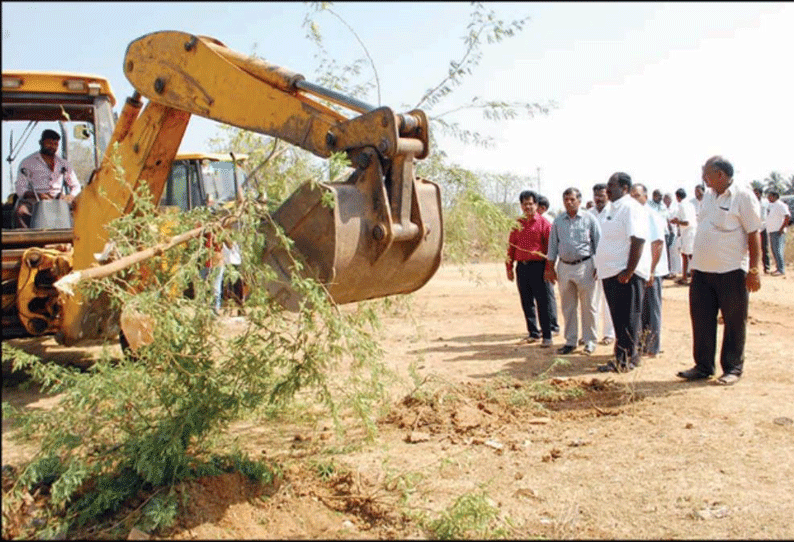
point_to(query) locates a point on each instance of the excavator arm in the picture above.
(382, 235)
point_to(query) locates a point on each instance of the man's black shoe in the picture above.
(611, 367)
(567, 349)
(692, 374)
(608, 368)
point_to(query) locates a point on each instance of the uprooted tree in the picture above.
(143, 423)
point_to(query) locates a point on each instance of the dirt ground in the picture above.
(641, 455)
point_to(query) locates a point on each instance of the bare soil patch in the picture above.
(560, 450)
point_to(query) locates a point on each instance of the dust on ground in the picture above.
(559, 450)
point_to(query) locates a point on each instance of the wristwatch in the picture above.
(753, 270)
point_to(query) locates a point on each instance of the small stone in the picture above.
(417, 436)
(720, 512)
(704, 514)
(495, 444)
(526, 492)
(784, 421)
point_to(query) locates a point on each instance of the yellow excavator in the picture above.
(381, 236)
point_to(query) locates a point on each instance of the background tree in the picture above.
(776, 181)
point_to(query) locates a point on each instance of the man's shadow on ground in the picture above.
(530, 362)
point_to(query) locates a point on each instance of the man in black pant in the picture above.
(528, 245)
(721, 276)
(764, 237)
(543, 211)
(622, 270)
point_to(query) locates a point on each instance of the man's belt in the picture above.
(576, 261)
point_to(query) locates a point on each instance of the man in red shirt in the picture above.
(528, 246)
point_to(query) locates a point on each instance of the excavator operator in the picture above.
(42, 176)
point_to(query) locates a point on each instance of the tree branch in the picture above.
(66, 283)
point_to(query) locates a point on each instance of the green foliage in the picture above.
(158, 513)
(274, 168)
(476, 228)
(483, 28)
(140, 424)
(472, 515)
(405, 483)
(325, 469)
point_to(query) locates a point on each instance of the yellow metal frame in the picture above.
(56, 83)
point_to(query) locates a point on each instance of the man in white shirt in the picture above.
(655, 251)
(721, 280)
(686, 219)
(623, 274)
(42, 176)
(656, 202)
(764, 238)
(778, 217)
(697, 201)
(601, 209)
(673, 240)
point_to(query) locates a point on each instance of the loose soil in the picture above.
(637, 455)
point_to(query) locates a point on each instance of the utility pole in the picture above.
(538, 170)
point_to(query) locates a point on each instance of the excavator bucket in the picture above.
(347, 237)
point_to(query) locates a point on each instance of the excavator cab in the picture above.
(80, 108)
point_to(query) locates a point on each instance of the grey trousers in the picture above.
(577, 290)
(652, 317)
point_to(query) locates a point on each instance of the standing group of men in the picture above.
(619, 251)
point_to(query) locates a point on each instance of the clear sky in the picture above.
(652, 89)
